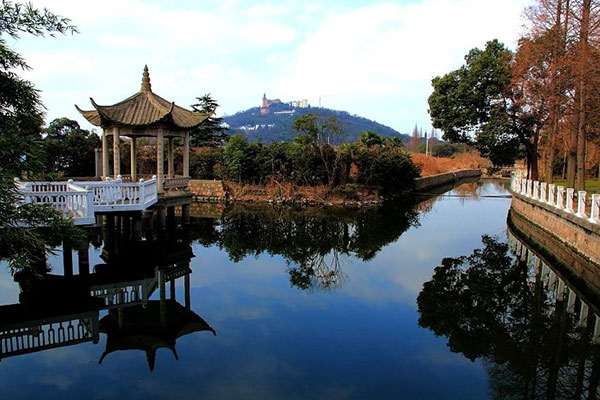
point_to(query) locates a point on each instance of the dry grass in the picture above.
(288, 192)
(434, 165)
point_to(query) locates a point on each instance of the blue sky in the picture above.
(371, 58)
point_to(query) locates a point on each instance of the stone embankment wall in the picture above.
(579, 234)
(430, 182)
(555, 252)
(208, 191)
(202, 209)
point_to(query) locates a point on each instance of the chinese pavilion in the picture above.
(145, 114)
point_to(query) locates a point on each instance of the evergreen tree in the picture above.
(21, 152)
(211, 132)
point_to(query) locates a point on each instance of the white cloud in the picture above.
(376, 60)
(391, 51)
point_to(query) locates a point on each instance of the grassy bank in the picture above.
(591, 185)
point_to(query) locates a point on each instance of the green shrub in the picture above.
(203, 164)
(393, 170)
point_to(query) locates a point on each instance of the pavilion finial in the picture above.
(146, 87)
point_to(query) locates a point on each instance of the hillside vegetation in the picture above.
(278, 127)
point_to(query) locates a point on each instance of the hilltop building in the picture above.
(283, 107)
(266, 103)
(299, 103)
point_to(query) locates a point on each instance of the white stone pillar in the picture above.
(186, 154)
(543, 195)
(569, 205)
(104, 154)
(551, 197)
(133, 159)
(560, 200)
(160, 159)
(583, 314)
(116, 153)
(571, 301)
(561, 290)
(581, 204)
(171, 158)
(596, 334)
(595, 210)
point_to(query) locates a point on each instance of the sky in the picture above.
(372, 58)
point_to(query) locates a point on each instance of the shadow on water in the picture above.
(529, 318)
(314, 241)
(57, 310)
(113, 297)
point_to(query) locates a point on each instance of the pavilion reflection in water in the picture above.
(62, 310)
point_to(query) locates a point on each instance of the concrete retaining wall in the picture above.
(578, 234)
(579, 270)
(430, 182)
(205, 190)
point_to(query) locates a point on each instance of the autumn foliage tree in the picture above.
(543, 100)
(572, 30)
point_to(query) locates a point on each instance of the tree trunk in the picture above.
(564, 166)
(532, 158)
(581, 88)
(572, 159)
(557, 51)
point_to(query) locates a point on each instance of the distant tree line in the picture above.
(311, 160)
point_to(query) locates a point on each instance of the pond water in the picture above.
(280, 303)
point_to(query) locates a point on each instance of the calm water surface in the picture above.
(304, 305)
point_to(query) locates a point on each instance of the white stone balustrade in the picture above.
(80, 200)
(559, 197)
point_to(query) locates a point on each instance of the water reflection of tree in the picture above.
(312, 241)
(531, 346)
(318, 271)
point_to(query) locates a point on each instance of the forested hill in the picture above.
(277, 126)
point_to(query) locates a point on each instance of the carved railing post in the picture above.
(581, 204)
(543, 197)
(551, 197)
(569, 205)
(560, 197)
(536, 190)
(595, 210)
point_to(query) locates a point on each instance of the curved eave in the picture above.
(92, 116)
(144, 109)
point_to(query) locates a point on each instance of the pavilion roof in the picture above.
(145, 108)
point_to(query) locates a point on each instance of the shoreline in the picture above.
(349, 195)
